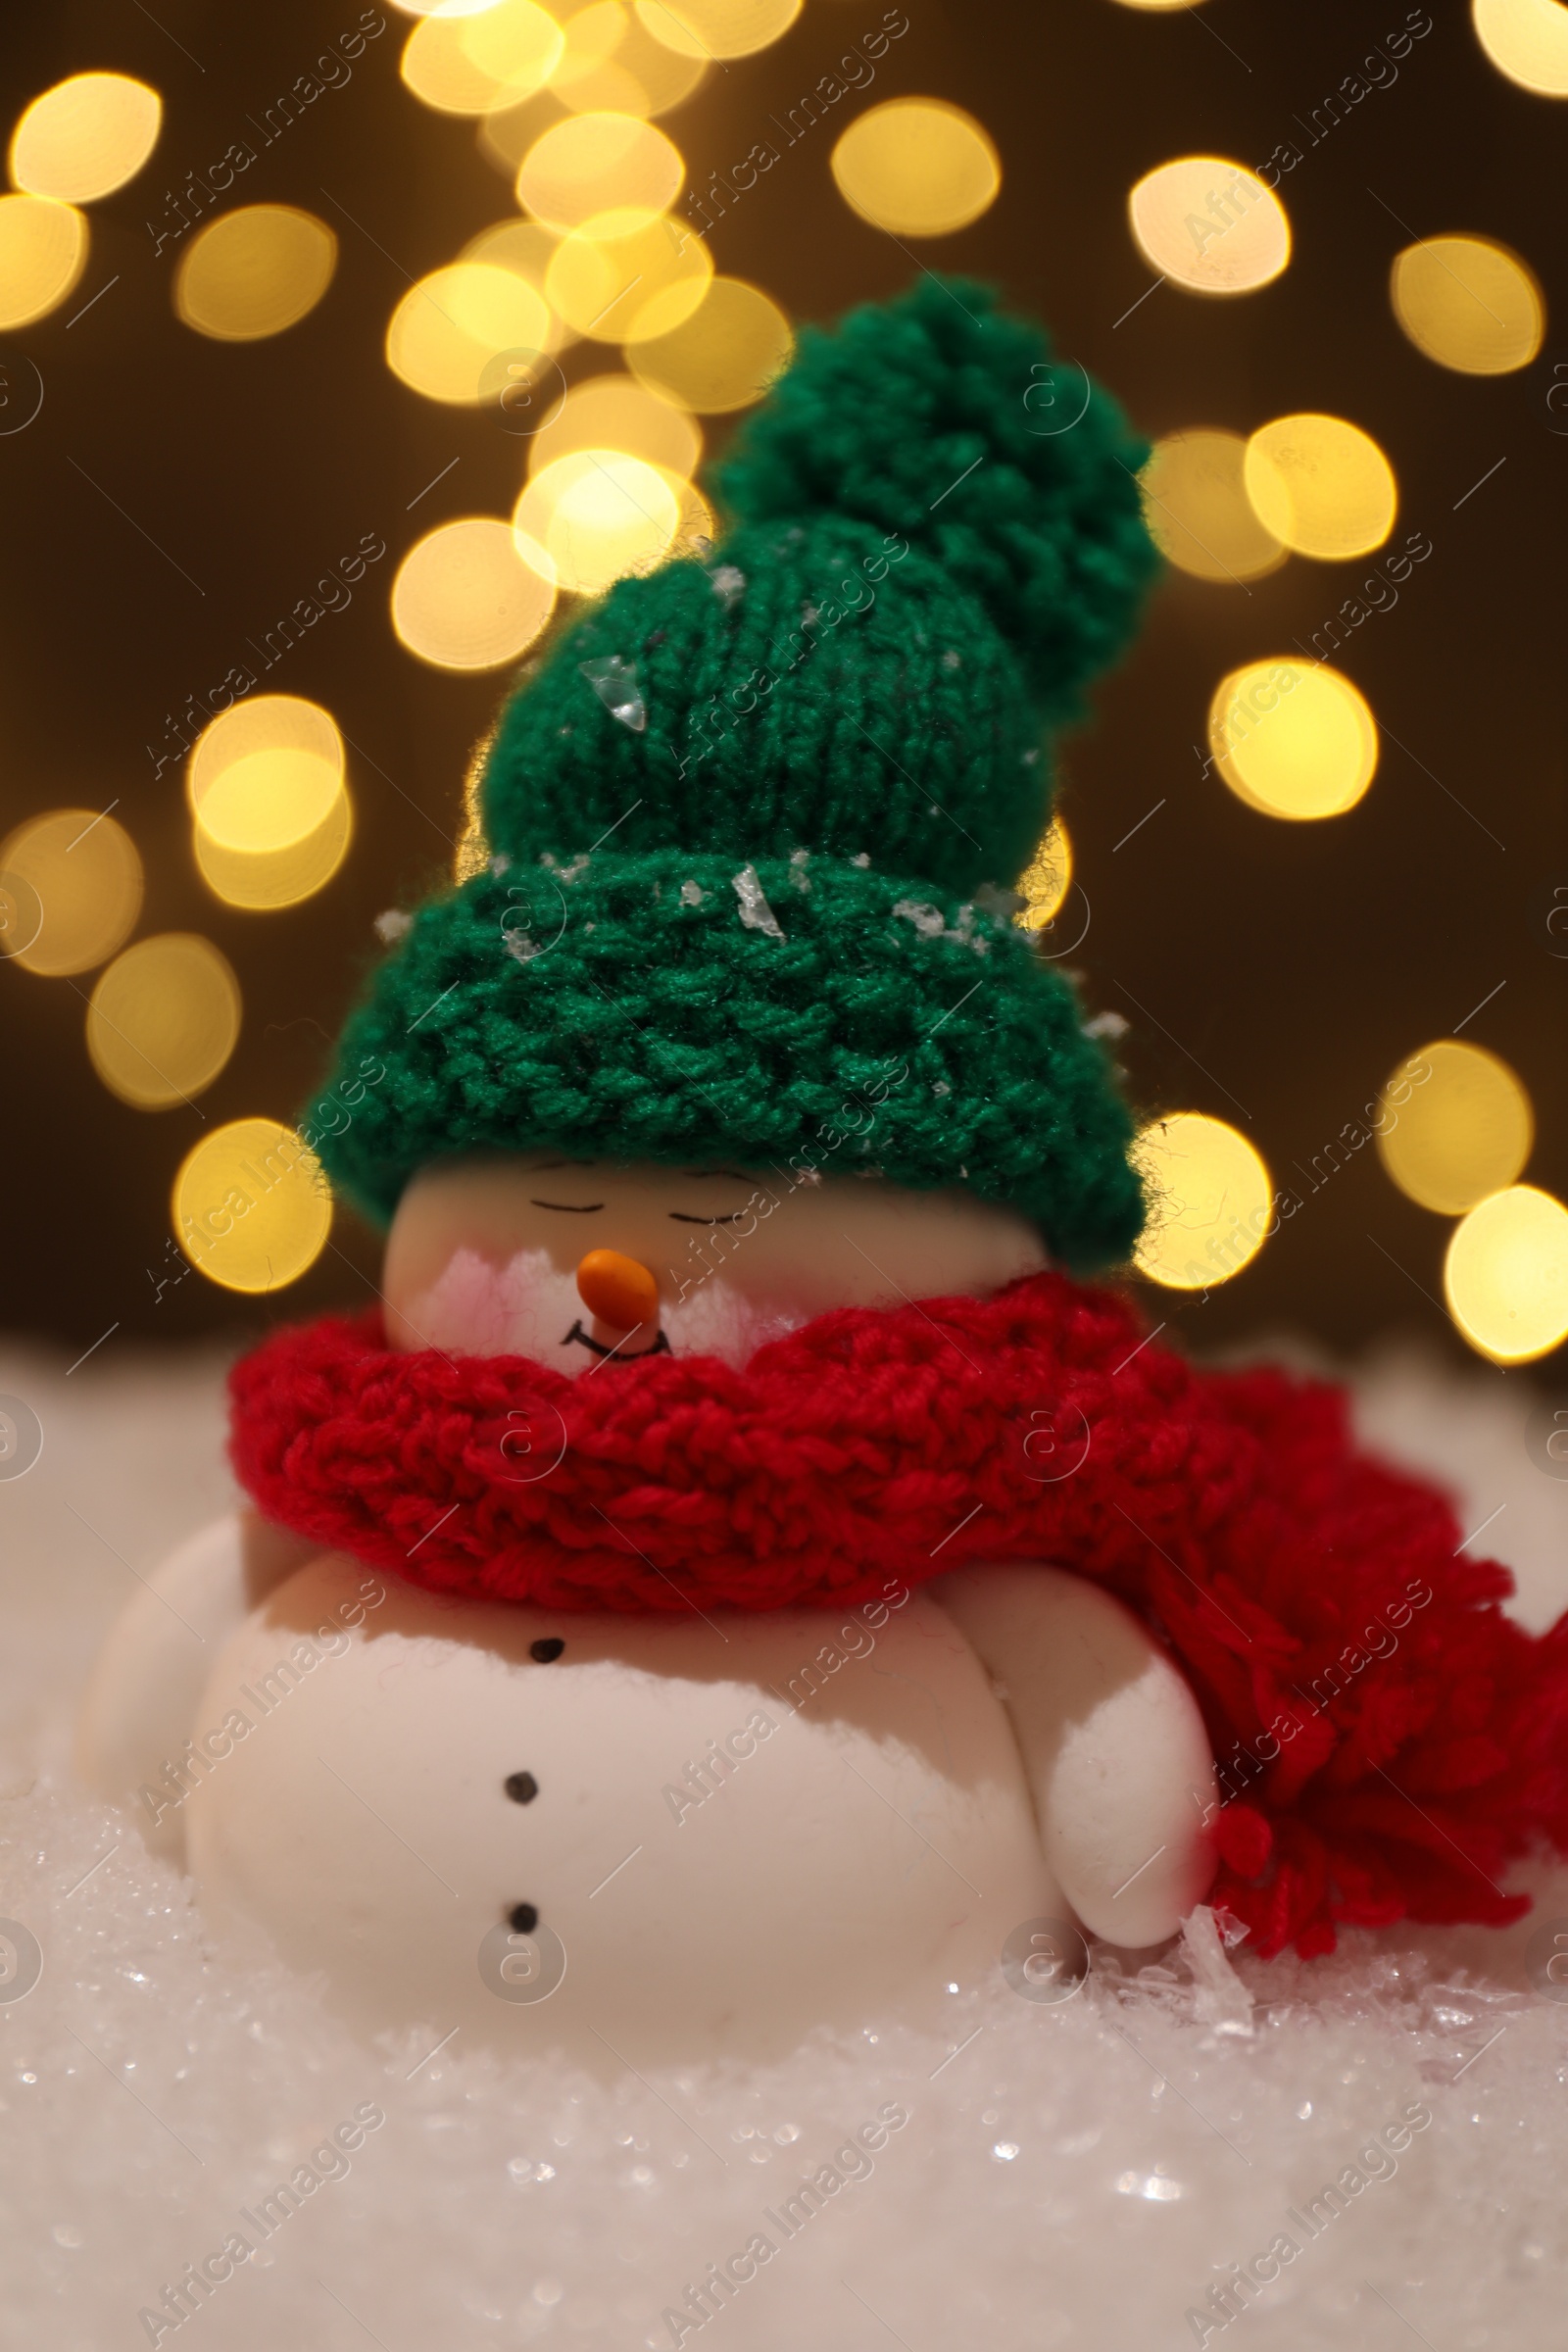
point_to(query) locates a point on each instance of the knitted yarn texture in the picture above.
(810, 1012)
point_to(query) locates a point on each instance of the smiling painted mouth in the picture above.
(660, 1346)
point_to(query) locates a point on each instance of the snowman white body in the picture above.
(649, 1838)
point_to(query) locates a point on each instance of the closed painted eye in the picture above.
(572, 1208)
(685, 1216)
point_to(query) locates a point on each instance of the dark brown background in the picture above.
(1288, 967)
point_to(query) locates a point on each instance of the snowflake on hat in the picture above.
(744, 1560)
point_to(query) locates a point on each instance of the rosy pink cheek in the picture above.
(717, 1319)
(477, 1307)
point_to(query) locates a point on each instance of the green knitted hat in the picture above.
(753, 819)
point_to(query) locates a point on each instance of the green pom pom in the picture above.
(941, 416)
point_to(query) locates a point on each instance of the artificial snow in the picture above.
(931, 923)
(615, 681)
(755, 912)
(1046, 2175)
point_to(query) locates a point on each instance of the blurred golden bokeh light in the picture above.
(465, 598)
(506, 135)
(710, 29)
(627, 288)
(594, 515)
(268, 800)
(451, 325)
(263, 879)
(616, 168)
(725, 356)
(476, 61)
(85, 137)
(44, 252)
(917, 167)
(1197, 509)
(1045, 879)
(442, 76)
(273, 818)
(255, 273)
(1505, 1275)
(521, 246)
(1292, 739)
(252, 1206)
(20, 915)
(1209, 225)
(1469, 304)
(1528, 42)
(1211, 1202)
(695, 526)
(611, 60)
(262, 722)
(526, 250)
(471, 852)
(1321, 485)
(163, 1020)
(592, 36)
(617, 411)
(1457, 1125)
(518, 43)
(72, 887)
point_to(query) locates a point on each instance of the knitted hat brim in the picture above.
(808, 1014)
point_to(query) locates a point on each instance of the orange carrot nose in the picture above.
(617, 1289)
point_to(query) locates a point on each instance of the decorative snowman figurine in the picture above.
(668, 1629)
(690, 1830)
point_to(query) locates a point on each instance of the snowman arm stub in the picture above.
(140, 1706)
(1114, 1746)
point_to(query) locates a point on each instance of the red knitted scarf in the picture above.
(1386, 1738)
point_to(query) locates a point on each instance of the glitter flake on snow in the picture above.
(615, 681)
(931, 923)
(1003, 904)
(927, 920)
(755, 912)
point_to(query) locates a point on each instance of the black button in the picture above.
(524, 1918)
(546, 1649)
(522, 1787)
